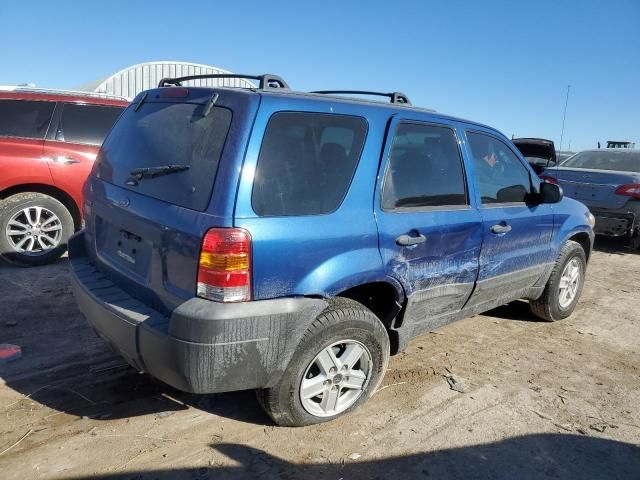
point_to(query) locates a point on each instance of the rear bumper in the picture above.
(203, 346)
(615, 223)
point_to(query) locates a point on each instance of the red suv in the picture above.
(48, 142)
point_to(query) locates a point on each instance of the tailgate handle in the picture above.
(406, 240)
(501, 228)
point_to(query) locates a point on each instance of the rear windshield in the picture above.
(161, 135)
(606, 160)
(306, 163)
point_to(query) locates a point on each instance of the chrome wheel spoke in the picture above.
(49, 220)
(330, 399)
(22, 242)
(355, 380)
(33, 215)
(51, 228)
(313, 387)
(327, 361)
(351, 355)
(15, 223)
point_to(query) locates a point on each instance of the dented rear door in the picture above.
(429, 233)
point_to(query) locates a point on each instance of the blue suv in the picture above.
(289, 242)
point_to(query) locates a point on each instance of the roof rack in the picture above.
(395, 97)
(79, 93)
(267, 81)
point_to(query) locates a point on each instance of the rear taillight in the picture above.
(224, 272)
(629, 190)
(548, 179)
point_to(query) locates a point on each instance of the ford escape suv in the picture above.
(48, 141)
(289, 242)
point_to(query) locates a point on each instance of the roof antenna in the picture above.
(564, 115)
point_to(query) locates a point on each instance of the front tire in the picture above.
(337, 366)
(563, 289)
(34, 228)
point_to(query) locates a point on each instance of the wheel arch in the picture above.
(385, 298)
(584, 240)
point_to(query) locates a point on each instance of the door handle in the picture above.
(501, 228)
(406, 240)
(62, 160)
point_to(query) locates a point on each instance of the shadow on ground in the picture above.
(615, 245)
(528, 457)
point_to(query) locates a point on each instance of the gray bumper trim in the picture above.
(204, 346)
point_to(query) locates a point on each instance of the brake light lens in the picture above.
(224, 271)
(629, 190)
(174, 92)
(548, 179)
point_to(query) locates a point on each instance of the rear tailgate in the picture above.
(144, 221)
(594, 188)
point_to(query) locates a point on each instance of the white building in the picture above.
(136, 78)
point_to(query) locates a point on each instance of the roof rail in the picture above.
(395, 97)
(267, 81)
(56, 91)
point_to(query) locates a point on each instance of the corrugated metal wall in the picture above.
(133, 80)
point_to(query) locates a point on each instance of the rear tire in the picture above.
(34, 228)
(345, 330)
(562, 292)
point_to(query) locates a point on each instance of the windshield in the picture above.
(169, 151)
(606, 160)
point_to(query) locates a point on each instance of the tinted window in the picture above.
(606, 160)
(500, 175)
(424, 169)
(162, 134)
(306, 163)
(22, 118)
(86, 123)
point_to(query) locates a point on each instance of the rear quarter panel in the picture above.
(320, 254)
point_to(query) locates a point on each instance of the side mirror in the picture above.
(550, 192)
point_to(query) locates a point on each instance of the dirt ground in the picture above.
(541, 400)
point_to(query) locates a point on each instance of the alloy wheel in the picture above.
(34, 230)
(336, 378)
(569, 283)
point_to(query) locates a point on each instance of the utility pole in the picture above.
(564, 116)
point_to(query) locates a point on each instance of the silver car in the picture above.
(608, 182)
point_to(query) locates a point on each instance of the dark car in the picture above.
(288, 242)
(607, 181)
(48, 142)
(539, 152)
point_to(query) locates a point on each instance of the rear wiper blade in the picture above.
(153, 172)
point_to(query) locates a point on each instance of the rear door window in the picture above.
(424, 169)
(163, 135)
(25, 118)
(88, 124)
(306, 163)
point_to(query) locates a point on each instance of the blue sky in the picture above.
(503, 63)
